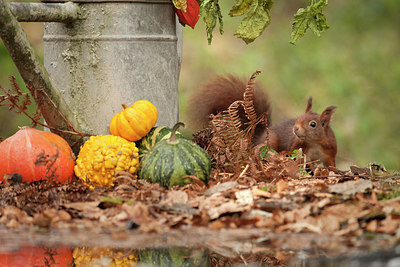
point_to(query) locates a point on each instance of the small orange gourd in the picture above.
(133, 123)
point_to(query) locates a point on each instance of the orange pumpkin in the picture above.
(36, 155)
(133, 123)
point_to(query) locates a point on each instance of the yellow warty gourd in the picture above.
(102, 156)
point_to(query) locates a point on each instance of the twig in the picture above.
(305, 163)
(243, 259)
(78, 141)
(15, 98)
(29, 65)
(333, 176)
(9, 96)
(244, 171)
(14, 104)
(58, 111)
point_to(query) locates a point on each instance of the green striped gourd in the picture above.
(155, 135)
(168, 161)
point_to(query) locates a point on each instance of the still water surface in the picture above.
(190, 247)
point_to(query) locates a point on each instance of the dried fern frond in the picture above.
(233, 129)
(248, 98)
(249, 108)
(227, 124)
(203, 138)
(234, 119)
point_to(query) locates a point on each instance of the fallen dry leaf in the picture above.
(389, 225)
(351, 187)
(372, 226)
(175, 197)
(260, 193)
(328, 222)
(217, 205)
(219, 188)
(300, 227)
(281, 186)
(244, 197)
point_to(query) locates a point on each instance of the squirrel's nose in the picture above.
(295, 128)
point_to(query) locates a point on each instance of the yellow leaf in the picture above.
(180, 4)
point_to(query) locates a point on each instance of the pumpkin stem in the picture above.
(172, 139)
(124, 106)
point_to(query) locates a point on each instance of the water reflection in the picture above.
(149, 257)
(36, 256)
(104, 257)
(110, 257)
(171, 257)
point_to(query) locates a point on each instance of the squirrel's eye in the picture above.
(313, 124)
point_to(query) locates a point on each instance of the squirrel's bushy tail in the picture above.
(218, 94)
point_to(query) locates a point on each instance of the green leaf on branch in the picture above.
(309, 17)
(240, 7)
(211, 14)
(256, 19)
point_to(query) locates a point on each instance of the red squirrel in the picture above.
(311, 131)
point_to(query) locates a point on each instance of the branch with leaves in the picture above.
(310, 17)
(18, 101)
(256, 17)
(34, 73)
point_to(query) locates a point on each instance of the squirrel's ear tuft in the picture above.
(309, 105)
(326, 115)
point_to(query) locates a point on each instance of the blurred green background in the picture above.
(355, 65)
(10, 121)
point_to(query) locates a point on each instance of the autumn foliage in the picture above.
(191, 15)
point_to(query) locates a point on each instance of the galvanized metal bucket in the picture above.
(120, 52)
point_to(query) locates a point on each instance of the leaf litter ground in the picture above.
(337, 213)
